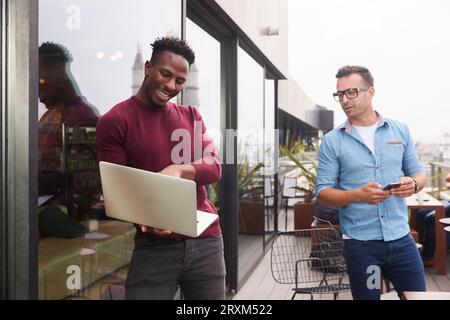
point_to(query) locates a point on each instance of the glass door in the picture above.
(203, 89)
(270, 161)
(250, 155)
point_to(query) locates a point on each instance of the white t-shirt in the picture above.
(368, 135)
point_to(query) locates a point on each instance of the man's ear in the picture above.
(147, 67)
(372, 91)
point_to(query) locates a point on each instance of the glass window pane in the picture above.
(270, 155)
(250, 162)
(202, 88)
(91, 57)
(270, 136)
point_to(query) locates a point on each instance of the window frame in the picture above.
(19, 221)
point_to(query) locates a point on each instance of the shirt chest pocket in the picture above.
(393, 156)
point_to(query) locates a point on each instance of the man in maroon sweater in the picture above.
(143, 132)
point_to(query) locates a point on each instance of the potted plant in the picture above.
(304, 211)
(297, 147)
(310, 174)
(250, 205)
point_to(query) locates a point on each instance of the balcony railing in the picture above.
(438, 172)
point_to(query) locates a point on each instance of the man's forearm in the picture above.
(187, 172)
(338, 198)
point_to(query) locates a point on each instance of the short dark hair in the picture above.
(55, 51)
(362, 71)
(174, 45)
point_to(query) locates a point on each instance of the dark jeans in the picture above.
(426, 225)
(159, 266)
(397, 261)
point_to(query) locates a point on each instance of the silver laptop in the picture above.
(153, 199)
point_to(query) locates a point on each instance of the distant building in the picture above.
(137, 71)
(190, 92)
(428, 152)
(444, 147)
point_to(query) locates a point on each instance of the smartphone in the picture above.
(392, 186)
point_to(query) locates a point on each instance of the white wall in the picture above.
(254, 15)
(292, 99)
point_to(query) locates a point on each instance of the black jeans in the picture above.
(159, 266)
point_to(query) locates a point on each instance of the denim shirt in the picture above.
(345, 163)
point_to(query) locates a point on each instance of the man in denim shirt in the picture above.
(356, 160)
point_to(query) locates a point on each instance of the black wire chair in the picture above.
(310, 259)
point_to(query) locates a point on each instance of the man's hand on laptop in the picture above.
(185, 171)
(162, 233)
(156, 231)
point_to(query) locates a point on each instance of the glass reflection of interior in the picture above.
(270, 158)
(250, 162)
(202, 89)
(83, 72)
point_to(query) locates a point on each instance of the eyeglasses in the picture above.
(350, 93)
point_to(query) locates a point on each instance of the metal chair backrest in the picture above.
(308, 256)
(318, 221)
(289, 184)
(268, 192)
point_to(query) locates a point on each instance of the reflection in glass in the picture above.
(67, 151)
(202, 88)
(103, 39)
(270, 157)
(82, 254)
(250, 162)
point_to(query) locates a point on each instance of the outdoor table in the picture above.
(423, 200)
(426, 295)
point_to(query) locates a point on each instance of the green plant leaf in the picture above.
(310, 175)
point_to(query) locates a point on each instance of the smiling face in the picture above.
(360, 108)
(164, 79)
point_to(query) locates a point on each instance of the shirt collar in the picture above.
(347, 126)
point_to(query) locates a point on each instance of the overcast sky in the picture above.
(405, 44)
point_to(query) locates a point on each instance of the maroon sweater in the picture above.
(135, 135)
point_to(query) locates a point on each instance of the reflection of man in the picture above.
(137, 133)
(59, 93)
(355, 159)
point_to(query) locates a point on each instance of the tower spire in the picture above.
(137, 70)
